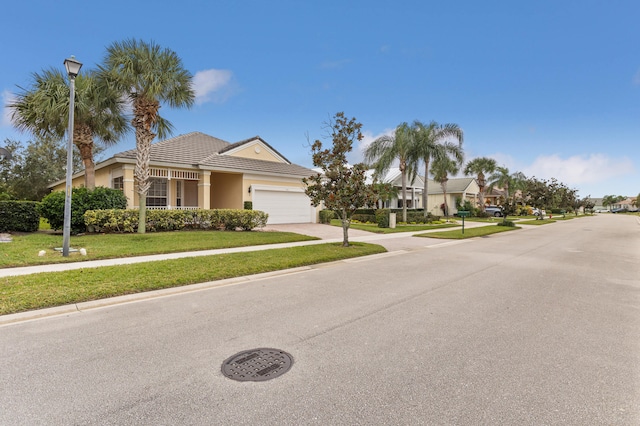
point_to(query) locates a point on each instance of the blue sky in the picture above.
(548, 88)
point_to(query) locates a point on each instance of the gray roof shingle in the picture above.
(199, 150)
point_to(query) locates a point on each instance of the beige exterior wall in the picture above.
(246, 184)
(226, 191)
(190, 193)
(256, 151)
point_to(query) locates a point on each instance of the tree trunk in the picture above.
(444, 193)
(345, 232)
(425, 194)
(145, 115)
(83, 139)
(481, 184)
(404, 192)
(345, 229)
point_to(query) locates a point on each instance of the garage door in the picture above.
(283, 204)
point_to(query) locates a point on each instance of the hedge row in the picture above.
(116, 220)
(82, 199)
(19, 216)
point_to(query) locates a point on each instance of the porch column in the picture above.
(128, 186)
(204, 190)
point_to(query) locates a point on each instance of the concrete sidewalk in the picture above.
(326, 233)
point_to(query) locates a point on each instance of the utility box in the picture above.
(392, 220)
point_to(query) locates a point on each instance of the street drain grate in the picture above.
(257, 365)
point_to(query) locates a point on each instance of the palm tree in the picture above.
(433, 142)
(478, 167)
(441, 168)
(43, 109)
(386, 149)
(502, 179)
(147, 75)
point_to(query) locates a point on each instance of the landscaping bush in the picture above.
(382, 218)
(326, 216)
(508, 223)
(248, 205)
(364, 218)
(19, 216)
(414, 216)
(173, 220)
(52, 206)
(365, 211)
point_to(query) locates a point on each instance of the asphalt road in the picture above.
(535, 327)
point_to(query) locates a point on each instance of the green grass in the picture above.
(468, 232)
(537, 222)
(23, 250)
(399, 228)
(36, 291)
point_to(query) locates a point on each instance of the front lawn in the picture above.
(537, 222)
(36, 291)
(399, 228)
(24, 249)
(468, 232)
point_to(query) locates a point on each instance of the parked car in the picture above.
(620, 210)
(494, 211)
(538, 212)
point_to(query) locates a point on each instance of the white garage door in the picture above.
(283, 204)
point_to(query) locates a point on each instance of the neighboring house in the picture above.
(462, 188)
(627, 203)
(598, 207)
(198, 171)
(414, 189)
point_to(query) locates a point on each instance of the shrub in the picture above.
(507, 223)
(382, 218)
(172, 220)
(19, 216)
(326, 216)
(365, 211)
(52, 206)
(414, 216)
(364, 218)
(248, 205)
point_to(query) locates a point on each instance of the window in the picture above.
(157, 195)
(118, 183)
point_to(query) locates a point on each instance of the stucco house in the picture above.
(198, 171)
(394, 177)
(463, 188)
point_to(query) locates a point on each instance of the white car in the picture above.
(494, 211)
(538, 212)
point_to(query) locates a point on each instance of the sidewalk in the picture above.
(326, 233)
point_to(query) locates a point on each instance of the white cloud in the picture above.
(212, 85)
(7, 97)
(579, 169)
(357, 155)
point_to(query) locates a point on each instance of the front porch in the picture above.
(173, 189)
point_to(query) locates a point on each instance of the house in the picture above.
(462, 188)
(413, 189)
(198, 171)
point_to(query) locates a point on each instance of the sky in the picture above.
(550, 88)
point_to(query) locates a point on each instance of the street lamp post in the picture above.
(73, 68)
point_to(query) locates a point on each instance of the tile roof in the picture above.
(453, 185)
(199, 150)
(190, 148)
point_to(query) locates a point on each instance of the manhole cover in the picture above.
(257, 365)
